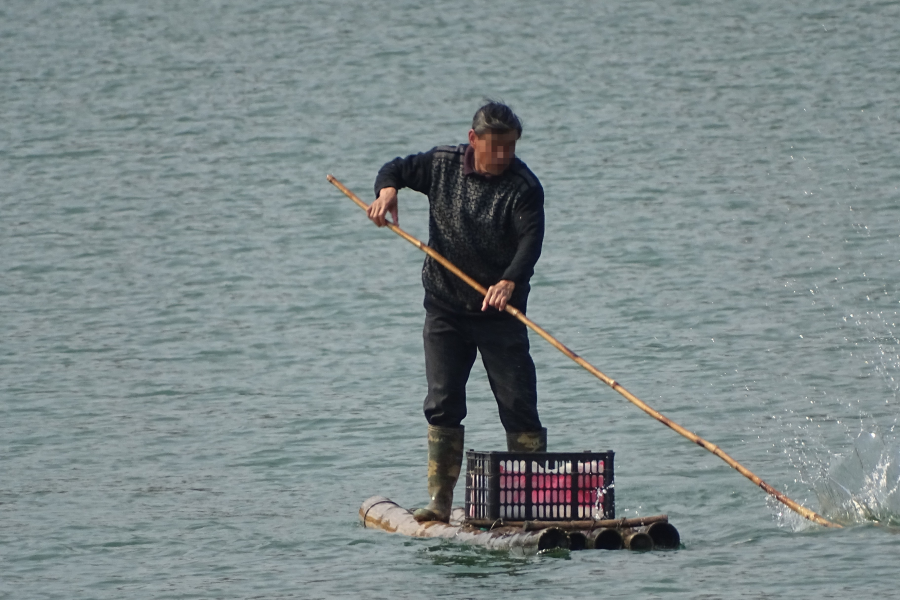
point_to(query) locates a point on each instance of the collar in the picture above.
(469, 164)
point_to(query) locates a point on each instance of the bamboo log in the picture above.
(585, 525)
(664, 535)
(638, 540)
(606, 539)
(578, 540)
(801, 510)
(381, 513)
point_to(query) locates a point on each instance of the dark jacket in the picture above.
(491, 228)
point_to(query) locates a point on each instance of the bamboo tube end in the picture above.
(577, 540)
(552, 538)
(606, 539)
(639, 541)
(664, 535)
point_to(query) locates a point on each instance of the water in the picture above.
(210, 359)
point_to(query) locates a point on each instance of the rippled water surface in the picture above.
(210, 358)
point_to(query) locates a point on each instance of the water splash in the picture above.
(863, 485)
(858, 486)
(856, 480)
(885, 358)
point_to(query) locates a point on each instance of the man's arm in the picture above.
(413, 172)
(528, 220)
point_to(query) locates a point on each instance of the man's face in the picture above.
(493, 151)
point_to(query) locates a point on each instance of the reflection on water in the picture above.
(475, 562)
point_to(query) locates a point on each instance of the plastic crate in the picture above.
(546, 486)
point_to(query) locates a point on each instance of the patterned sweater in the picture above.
(490, 227)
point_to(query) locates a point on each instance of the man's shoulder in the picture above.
(449, 152)
(523, 176)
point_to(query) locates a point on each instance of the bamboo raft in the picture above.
(615, 385)
(525, 537)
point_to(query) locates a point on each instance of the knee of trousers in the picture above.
(525, 418)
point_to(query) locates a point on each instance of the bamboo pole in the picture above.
(801, 510)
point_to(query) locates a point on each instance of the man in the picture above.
(487, 217)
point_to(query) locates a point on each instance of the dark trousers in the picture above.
(451, 341)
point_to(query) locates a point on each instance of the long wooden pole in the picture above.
(801, 510)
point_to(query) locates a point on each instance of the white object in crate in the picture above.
(551, 489)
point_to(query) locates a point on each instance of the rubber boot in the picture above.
(528, 441)
(445, 451)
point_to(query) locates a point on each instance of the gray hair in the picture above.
(496, 117)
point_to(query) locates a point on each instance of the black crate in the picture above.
(546, 486)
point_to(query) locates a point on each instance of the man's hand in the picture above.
(498, 295)
(385, 203)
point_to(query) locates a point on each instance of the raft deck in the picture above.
(526, 537)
